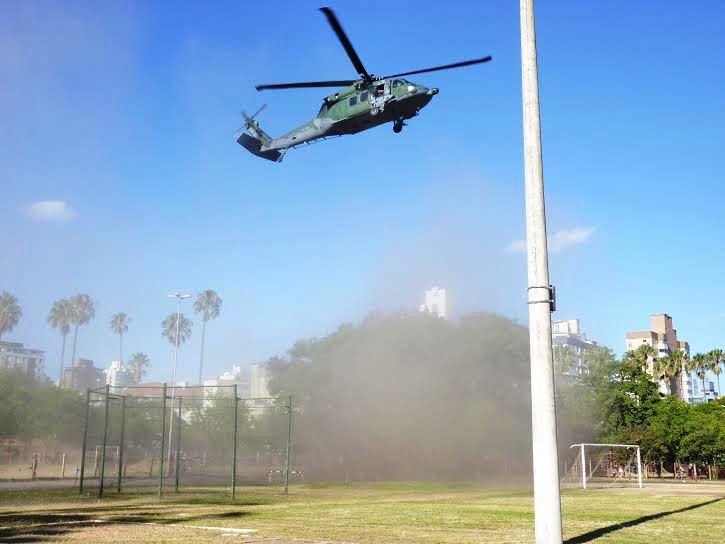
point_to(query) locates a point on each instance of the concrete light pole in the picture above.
(179, 297)
(547, 502)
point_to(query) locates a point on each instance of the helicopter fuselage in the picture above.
(357, 108)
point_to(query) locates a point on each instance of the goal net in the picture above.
(603, 465)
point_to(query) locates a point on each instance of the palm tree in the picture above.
(10, 312)
(59, 317)
(679, 362)
(643, 355)
(208, 304)
(662, 368)
(82, 311)
(717, 357)
(700, 363)
(139, 364)
(169, 328)
(119, 325)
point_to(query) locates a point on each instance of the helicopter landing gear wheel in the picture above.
(374, 111)
(398, 126)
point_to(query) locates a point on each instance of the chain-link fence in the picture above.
(194, 439)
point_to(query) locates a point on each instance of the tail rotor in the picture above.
(260, 110)
(249, 122)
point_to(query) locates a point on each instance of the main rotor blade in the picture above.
(349, 49)
(444, 67)
(306, 84)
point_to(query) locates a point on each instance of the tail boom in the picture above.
(254, 146)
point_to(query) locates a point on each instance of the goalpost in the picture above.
(110, 450)
(608, 464)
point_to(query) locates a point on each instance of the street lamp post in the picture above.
(179, 297)
(547, 502)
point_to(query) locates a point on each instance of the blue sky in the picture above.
(125, 114)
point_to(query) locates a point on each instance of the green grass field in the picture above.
(384, 513)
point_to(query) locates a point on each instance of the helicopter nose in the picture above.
(433, 91)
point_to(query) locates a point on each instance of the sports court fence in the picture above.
(200, 439)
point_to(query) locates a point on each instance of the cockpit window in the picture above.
(397, 83)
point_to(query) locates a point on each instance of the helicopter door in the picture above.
(379, 91)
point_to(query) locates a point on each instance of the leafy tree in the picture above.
(564, 359)
(211, 426)
(83, 310)
(30, 410)
(208, 304)
(703, 436)
(626, 401)
(119, 325)
(171, 326)
(10, 312)
(578, 415)
(666, 428)
(139, 365)
(601, 362)
(60, 317)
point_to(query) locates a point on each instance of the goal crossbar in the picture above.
(582, 447)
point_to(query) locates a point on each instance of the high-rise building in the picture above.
(568, 333)
(435, 303)
(663, 339)
(83, 375)
(30, 362)
(238, 376)
(117, 375)
(259, 382)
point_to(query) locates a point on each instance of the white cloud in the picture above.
(50, 210)
(559, 241)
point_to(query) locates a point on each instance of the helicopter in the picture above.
(361, 103)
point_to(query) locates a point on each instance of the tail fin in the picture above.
(256, 138)
(253, 145)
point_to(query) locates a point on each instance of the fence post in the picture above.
(84, 441)
(234, 449)
(163, 437)
(289, 441)
(120, 445)
(62, 467)
(178, 449)
(105, 438)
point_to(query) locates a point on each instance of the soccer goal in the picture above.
(111, 453)
(605, 465)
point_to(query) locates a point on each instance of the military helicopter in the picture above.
(362, 103)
